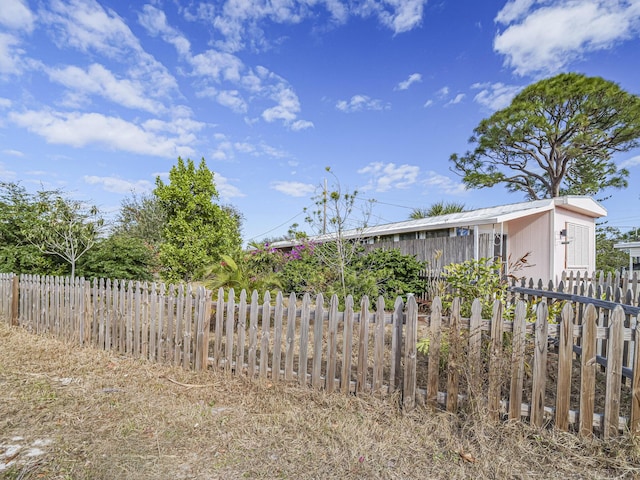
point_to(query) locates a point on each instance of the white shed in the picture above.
(634, 253)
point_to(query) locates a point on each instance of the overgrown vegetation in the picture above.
(72, 413)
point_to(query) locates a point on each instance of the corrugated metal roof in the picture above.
(482, 216)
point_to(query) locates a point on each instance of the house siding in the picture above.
(531, 235)
(562, 218)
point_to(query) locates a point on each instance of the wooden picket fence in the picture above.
(567, 371)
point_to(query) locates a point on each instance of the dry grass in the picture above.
(98, 416)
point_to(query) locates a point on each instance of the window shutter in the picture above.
(578, 246)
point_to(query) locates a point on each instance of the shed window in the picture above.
(578, 246)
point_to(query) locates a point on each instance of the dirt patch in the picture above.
(93, 415)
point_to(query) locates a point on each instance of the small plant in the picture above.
(475, 279)
(249, 271)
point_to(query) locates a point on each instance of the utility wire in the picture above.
(276, 227)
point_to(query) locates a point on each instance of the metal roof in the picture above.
(483, 216)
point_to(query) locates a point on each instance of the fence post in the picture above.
(15, 296)
(410, 355)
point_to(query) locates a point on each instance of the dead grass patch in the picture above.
(103, 416)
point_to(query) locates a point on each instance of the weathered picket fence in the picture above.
(568, 373)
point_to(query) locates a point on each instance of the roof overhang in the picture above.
(632, 247)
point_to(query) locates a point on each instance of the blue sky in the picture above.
(100, 97)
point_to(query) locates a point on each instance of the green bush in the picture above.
(475, 279)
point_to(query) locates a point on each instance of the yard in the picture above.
(79, 413)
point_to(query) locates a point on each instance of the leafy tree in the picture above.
(332, 216)
(556, 137)
(142, 217)
(64, 227)
(438, 208)
(609, 259)
(18, 211)
(119, 257)
(197, 230)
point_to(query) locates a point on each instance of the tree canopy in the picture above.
(557, 137)
(18, 212)
(197, 230)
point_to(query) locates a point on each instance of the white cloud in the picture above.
(358, 103)
(15, 14)
(443, 92)
(225, 189)
(85, 25)
(5, 102)
(10, 61)
(13, 153)
(514, 10)
(385, 176)
(301, 125)
(241, 23)
(222, 67)
(78, 130)
(227, 149)
(88, 27)
(457, 99)
(97, 80)
(155, 22)
(287, 108)
(119, 185)
(413, 78)
(443, 184)
(631, 162)
(397, 15)
(233, 100)
(428, 103)
(217, 65)
(294, 189)
(495, 96)
(542, 37)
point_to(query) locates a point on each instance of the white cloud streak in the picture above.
(15, 15)
(443, 184)
(87, 26)
(97, 80)
(359, 103)
(387, 176)
(13, 153)
(631, 162)
(294, 189)
(543, 37)
(226, 190)
(155, 22)
(457, 99)
(495, 96)
(241, 23)
(119, 185)
(413, 78)
(79, 130)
